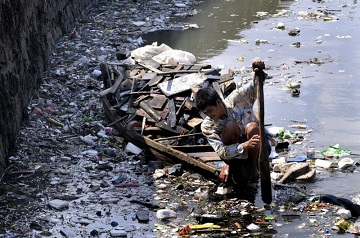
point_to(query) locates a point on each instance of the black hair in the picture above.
(206, 97)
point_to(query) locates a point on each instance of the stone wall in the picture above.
(29, 32)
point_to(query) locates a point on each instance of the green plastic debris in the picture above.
(88, 119)
(335, 151)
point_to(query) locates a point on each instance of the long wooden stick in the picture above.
(264, 164)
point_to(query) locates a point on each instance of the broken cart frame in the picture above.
(152, 108)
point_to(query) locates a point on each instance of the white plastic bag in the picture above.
(175, 56)
(149, 51)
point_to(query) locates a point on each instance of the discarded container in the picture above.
(130, 147)
(273, 153)
(310, 153)
(89, 139)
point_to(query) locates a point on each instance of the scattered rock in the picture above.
(294, 171)
(59, 204)
(68, 232)
(164, 214)
(117, 232)
(142, 216)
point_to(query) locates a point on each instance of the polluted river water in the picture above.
(230, 34)
(323, 57)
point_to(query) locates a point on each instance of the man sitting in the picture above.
(231, 128)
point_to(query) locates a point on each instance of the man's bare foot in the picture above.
(224, 173)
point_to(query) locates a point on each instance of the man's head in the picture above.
(209, 102)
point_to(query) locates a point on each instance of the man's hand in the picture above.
(253, 143)
(224, 173)
(258, 64)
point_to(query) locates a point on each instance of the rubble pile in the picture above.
(151, 93)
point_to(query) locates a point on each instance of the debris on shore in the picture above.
(75, 175)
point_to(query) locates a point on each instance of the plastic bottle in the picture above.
(111, 131)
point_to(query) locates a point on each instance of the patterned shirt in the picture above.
(239, 107)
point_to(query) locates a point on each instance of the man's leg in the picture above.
(229, 135)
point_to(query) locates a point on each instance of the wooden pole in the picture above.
(264, 164)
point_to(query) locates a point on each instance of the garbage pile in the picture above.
(74, 175)
(151, 91)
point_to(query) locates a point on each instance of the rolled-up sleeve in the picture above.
(226, 152)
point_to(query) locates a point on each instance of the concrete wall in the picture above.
(29, 31)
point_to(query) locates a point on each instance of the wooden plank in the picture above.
(206, 156)
(178, 137)
(204, 66)
(158, 101)
(154, 81)
(193, 148)
(177, 68)
(113, 88)
(172, 113)
(150, 67)
(148, 76)
(142, 113)
(139, 99)
(163, 152)
(136, 72)
(193, 122)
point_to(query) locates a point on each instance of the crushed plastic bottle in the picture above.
(111, 131)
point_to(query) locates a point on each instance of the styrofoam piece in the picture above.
(326, 164)
(130, 147)
(345, 163)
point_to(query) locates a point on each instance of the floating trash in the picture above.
(335, 151)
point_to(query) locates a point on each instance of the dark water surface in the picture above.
(330, 95)
(329, 101)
